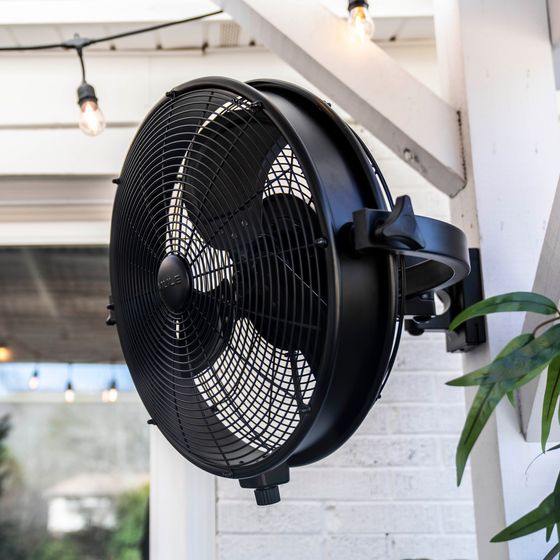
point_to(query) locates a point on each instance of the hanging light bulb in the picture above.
(91, 121)
(5, 352)
(34, 380)
(113, 392)
(69, 395)
(359, 20)
(105, 395)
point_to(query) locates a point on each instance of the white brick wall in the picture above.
(389, 493)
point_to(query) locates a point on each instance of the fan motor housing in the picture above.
(258, 337)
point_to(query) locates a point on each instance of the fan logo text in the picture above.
(170, 281)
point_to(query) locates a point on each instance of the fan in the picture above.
(259, 271)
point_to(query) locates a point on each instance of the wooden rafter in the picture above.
(403, 113)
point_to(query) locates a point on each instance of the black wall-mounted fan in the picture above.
(259, 274)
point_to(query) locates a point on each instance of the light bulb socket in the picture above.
(86, 92)
(113, 385)
(69, 386)
(357, 4)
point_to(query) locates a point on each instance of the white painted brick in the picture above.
(375, 423)
(285, 517)
(434, 547)
(458, 518)
(446, 393)
(408, 387)
(322, 484)
(448, 449)
(364, 451)
(423, 419)
(382, 518)
(356, 547)
(429, 484)
(269, 547)
(417, 353)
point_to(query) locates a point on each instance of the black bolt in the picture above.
(116, 181)
(256, 106)
(152, 422)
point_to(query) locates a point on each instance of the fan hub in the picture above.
(174, 283)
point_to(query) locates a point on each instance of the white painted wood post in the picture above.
(182, 505)
(497, 62)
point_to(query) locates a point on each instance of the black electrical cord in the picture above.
(80, 43)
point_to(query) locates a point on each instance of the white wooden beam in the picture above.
(554, 26)
(404, 114)
(496, 58)
(547, 282)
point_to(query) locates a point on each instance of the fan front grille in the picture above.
(229, 368)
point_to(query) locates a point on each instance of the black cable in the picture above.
(79, 43)
(81, 57)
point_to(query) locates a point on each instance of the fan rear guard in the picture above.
(358, 310)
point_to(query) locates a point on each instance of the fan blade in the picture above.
(207, 325)
(225, 171)
(282, 284)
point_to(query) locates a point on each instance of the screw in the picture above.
(171, 94)
(321, 242)
(116, 181)
(408, 155)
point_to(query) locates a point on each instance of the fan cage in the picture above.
(230, 379)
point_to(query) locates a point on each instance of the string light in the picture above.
(5, 352)
(34, 380)
(69, 395)
(359, 20)
(113, 393)
(91, 119)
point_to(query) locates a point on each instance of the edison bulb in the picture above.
(360, 22)
(113, 393)
(5, 353)
(34, 381)
(105, 395)
(69, 395)
(91, 121)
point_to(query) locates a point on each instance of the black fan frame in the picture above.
(362, 292)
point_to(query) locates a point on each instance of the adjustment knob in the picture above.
(267, 496)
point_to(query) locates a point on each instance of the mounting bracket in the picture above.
(420, 311)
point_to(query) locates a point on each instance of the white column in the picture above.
(497, 64)
(182, 505)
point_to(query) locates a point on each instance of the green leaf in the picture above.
(477, 377)
(549, 530)
(485, 401)
(507, 372)
(553, 552)
(512, 398)
(514, 301)
(551, 394)
(541, 517)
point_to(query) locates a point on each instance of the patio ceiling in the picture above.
(50, 21)
(53, 305)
